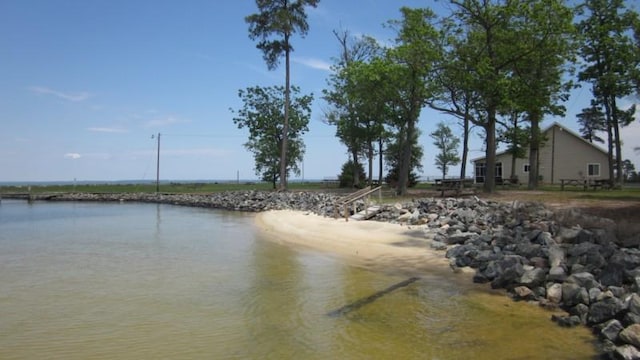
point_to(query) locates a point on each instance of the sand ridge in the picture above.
(365, 242)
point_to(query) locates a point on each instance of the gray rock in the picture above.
(581, 311)
(523, 293)
(568, 235)
(630, 318)
(574, 294)
(554, 293)
(634, 303)
(557, 273)
(460, 237)
(627, 352)
(534, 277)
(604, 310)
(595, 294)
(610, 330)
(631, 335)
(556, 256)
(566, 321)
(583, 279)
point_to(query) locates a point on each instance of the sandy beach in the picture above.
(368, 243)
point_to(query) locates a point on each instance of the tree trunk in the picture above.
(514, 145)
(285, 127)
(465, 147)
(490, 129)
(354, 170)
(370, 164)
(608, 111)
(380, 155)
(534, 148)
(405, 159)
(618, 143)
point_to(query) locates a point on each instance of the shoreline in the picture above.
(380, 245)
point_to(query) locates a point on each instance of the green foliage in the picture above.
(592, 121)
(393, 154)
(611, 64)
(506, 56)
(356, 96)
(262, 114)
(346, 175)
(447, 143)
(418, 50)
(275, 23)
(517, 140)
(628, 169)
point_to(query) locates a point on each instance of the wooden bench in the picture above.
(456, 185)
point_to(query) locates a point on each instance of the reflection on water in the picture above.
(132, 281)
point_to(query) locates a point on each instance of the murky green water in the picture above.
(140, 281)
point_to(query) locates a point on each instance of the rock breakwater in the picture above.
(561, 259)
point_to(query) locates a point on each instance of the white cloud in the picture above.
(107, 130)
(75, 97)
(170, 120)
(208, 152)
(313, 63)
(205, 152)
(73, 156)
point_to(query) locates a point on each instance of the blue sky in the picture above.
(86, 83)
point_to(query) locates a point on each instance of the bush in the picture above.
(392, 178)
(346, 176)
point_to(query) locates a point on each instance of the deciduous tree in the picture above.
(263, 115)
(447, 143)
(611, 66)
(418, 49)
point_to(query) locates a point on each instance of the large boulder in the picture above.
(583, 279)
(627, 352)
(533, 277)
(604, 310)
(631, 335)
(574, 294)
(554, 293)
(611, 330)
(512, 269)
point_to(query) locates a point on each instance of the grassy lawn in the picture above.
(544, 194)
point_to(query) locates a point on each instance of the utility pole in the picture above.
(158, 166)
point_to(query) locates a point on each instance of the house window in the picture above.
(593, 169)
(526, 168)
(481, 172)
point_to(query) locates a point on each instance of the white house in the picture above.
(563, 155)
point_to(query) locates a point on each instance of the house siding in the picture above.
(573, 157)
(562, 155)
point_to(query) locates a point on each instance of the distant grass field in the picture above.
(544, 194)
(173, 188)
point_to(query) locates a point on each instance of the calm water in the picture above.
(143, 281)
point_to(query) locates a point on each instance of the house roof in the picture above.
(562, 128)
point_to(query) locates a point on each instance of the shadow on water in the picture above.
(371, 298)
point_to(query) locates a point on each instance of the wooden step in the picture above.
(367, 214)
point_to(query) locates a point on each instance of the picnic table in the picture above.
(452, 185)
(600, 184)
(586, 183)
